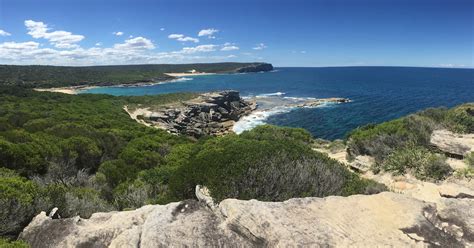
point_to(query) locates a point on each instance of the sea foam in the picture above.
(270, 104)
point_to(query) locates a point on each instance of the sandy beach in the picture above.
(189, 74)
(73, 90)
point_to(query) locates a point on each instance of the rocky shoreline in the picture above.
(212, 113)
(209, 114)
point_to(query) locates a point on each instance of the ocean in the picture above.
(378, 94)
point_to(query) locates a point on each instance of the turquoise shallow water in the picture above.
(378, 93)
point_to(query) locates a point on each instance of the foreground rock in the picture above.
(385, 219)
(453, 144)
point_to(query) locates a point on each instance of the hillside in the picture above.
(83, 154)
(60, 76)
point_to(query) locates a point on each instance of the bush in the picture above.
(470, 159)
(461, 118)
(381, 140)
(17, 202)
(131, 195)
(73, 201)
(6, 243)
(418, 161)
(273, 168)
(116, 172)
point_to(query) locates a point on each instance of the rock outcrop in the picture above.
(453, 144)
(209, 114)
(385, 219)
(260, 67)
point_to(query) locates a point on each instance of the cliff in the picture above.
(208, 114)
(260, 67)
(385, 219)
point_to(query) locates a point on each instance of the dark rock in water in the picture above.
(256, 68)
(203, 115)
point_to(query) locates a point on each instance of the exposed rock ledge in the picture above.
(385, 219)
(453, 144)
(209, 114)
(212, 113)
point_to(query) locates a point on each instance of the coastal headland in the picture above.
(213, 113)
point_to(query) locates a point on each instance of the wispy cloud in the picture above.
(162, 29)
(260, 46)
(118, 33)
(183, 38)
(208, 32)
(229, 48)
(137, 43)
(452, 65)
(4, 33)
(60, 39)
(198, 49)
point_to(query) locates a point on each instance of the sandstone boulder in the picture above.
(385, 219)
(453, 144)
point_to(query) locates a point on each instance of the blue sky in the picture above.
(429, 33)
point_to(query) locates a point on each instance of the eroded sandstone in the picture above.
(385, 219)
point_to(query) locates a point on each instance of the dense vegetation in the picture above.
(403, 145)
(58, 76)
(83, 154)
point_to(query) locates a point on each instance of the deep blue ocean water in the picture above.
(378, 93)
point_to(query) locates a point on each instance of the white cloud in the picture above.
(119, 33)
(136, 43)
(60, 39)
(4, 33)
(229, 48)
(19, 46)
(175, 36)
(208, 32)
(260, 46)
(198, 49)
(137, 50)
(452, 65)
(181, 37)
(162, 29)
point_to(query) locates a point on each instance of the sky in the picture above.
(428, 33)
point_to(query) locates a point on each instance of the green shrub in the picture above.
(6, 243)
(17, 202)
(131, 195)
(116, 172)
(418, 161)
(269, 132)
(381, 140)
(73, 201)
(470, 159)
(461, 118)
(273, 168)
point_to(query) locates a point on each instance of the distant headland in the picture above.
(38, 76)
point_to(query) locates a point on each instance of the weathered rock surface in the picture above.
(209, 114)
(453, 144)
(385, 219)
